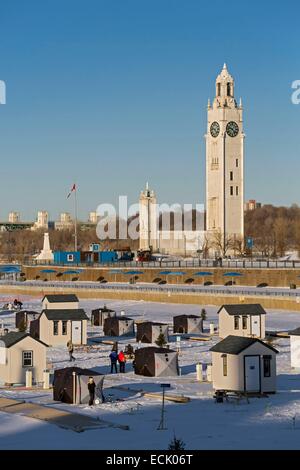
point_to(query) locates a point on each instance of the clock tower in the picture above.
(225, 162)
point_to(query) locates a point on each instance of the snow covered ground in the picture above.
(265, 423)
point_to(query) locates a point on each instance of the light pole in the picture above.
(161, 426)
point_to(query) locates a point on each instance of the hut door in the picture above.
(76, 332)
(252, 373)
(255, 325)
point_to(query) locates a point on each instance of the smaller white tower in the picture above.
(46, 254)
(148, 219)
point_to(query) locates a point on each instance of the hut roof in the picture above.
(15, 336)
(59, 298)
(237, 344)
(64, 314)
(243, 309)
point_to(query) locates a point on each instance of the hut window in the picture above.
(244, 322)
(267, 366)
(55, 327)
(27, 358)
(236, 323)
(64, 327)
(224, 357)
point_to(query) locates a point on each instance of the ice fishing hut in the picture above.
(57, 327)
(156, 362)
(187, 324)
(60, 301)
(118, 326)
(25, 317)
(148, 332)
(20, 352)
(243, 364)
(100, 314)
(242, 320)
(70, 385)
(295, 347)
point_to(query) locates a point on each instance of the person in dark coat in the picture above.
(122, 361)
(91, 389)
(18, 304)
(113, 361)
(70, 350)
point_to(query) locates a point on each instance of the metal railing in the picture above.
(169, 289)
(192, 263)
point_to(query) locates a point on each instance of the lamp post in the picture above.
(161, 426)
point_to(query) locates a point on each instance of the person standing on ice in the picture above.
(122, 361)
(70, 350)
(91, 389)
(113, 362)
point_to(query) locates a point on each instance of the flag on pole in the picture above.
(72, 189)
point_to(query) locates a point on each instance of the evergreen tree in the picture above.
(176, 444)
(161, 340)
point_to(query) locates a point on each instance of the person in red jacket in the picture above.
(122, 361)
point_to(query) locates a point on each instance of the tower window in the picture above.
(231, 190)
(231, 176)
(237, 190)
(219, 89)
(237, 162)
(228, 89)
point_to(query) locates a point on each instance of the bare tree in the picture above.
(222, 243)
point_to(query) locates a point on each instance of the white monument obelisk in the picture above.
(46, 254)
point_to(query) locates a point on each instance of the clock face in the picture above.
(215, 129)
(232, 129)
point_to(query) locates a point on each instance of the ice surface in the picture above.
(265, 423)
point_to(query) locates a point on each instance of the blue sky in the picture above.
(111, 94)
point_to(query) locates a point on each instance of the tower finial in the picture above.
(224, 66)
(147, 185)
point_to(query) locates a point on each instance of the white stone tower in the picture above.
(46, 254)
(148, 220)
(225, 161)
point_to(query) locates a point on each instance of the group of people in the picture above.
(116, 358)
(16, 305)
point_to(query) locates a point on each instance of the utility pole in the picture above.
(75, 202)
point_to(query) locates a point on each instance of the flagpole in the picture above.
(75, 203)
